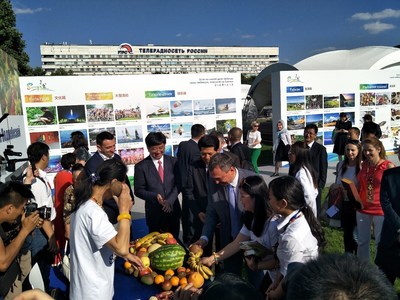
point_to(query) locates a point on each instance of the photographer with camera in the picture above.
(44, 246)
(14, 265)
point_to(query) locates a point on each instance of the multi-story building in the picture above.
(152, 59)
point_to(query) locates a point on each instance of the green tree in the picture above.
(38, 71)
(247, 79)
(11, 39)
(62, 72)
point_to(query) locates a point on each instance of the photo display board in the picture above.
(128, 106)
(320, 96)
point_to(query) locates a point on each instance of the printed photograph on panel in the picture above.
(203, 107)
(54, 164)
(168, 150)
(51, 138)
(395, 116)
(328, 137)
(157, 109)
(40, 116)
(395, 98)
(131, 156)
(330, 119)
(71, 114)
(295, 103)
(225, 106)
(65, 137)
(224, 126)
(367, 99)
(100, 112)
(331, 101)
(181, 108)
(127, 112)
(296, 122)
(164, 128)
(314, 102)
(382, 98)
(315, 119)
(181, 130)
(93, 132)
(129, 134)
(347, 100)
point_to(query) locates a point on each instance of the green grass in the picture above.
(334, 238)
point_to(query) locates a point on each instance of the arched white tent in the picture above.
(365, 58)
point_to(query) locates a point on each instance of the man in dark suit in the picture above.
(224, 206)
(188, 152)
(155, 183)
(237, 147)
(196, 189)
(319, 159)
(388, 255)
(105, 142)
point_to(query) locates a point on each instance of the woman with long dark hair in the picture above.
(93, 238)
(258, 224)
(349, 168)
(301, 236)
(302, 169)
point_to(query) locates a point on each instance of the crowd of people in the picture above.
(225, 205)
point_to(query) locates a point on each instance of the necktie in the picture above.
(161, 171)
(233, 211)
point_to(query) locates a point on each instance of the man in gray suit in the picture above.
(224, 206)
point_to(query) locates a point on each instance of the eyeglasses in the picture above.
(256, 125)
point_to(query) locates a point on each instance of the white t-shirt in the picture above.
(310, 192)
(296, 243)
(41, 189)
(252, 137)
(92, 262)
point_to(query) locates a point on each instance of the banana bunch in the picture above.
(151, 238)
(196, 265)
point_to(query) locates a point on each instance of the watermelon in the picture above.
(167, 257)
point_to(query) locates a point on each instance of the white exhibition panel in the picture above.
(319, 96)
(130, 106)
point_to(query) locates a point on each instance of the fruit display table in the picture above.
(126, 286)
(168, 264)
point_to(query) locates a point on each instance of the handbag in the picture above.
(65, 263)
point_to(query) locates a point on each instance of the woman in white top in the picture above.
(349, 168)
(254, 144)
(93, 238)
(281, 146)
(300, 234)
(302, 169)
(258, 225)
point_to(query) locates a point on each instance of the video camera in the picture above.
(44, 211)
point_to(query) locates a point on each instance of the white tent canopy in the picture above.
(365, 58)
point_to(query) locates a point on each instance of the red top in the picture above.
(62, 180)
(371, 176)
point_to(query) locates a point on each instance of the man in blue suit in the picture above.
(156, 183)
(105, 142)
(388, 256)
(221, 208)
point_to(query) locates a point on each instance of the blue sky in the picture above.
(301, 28)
